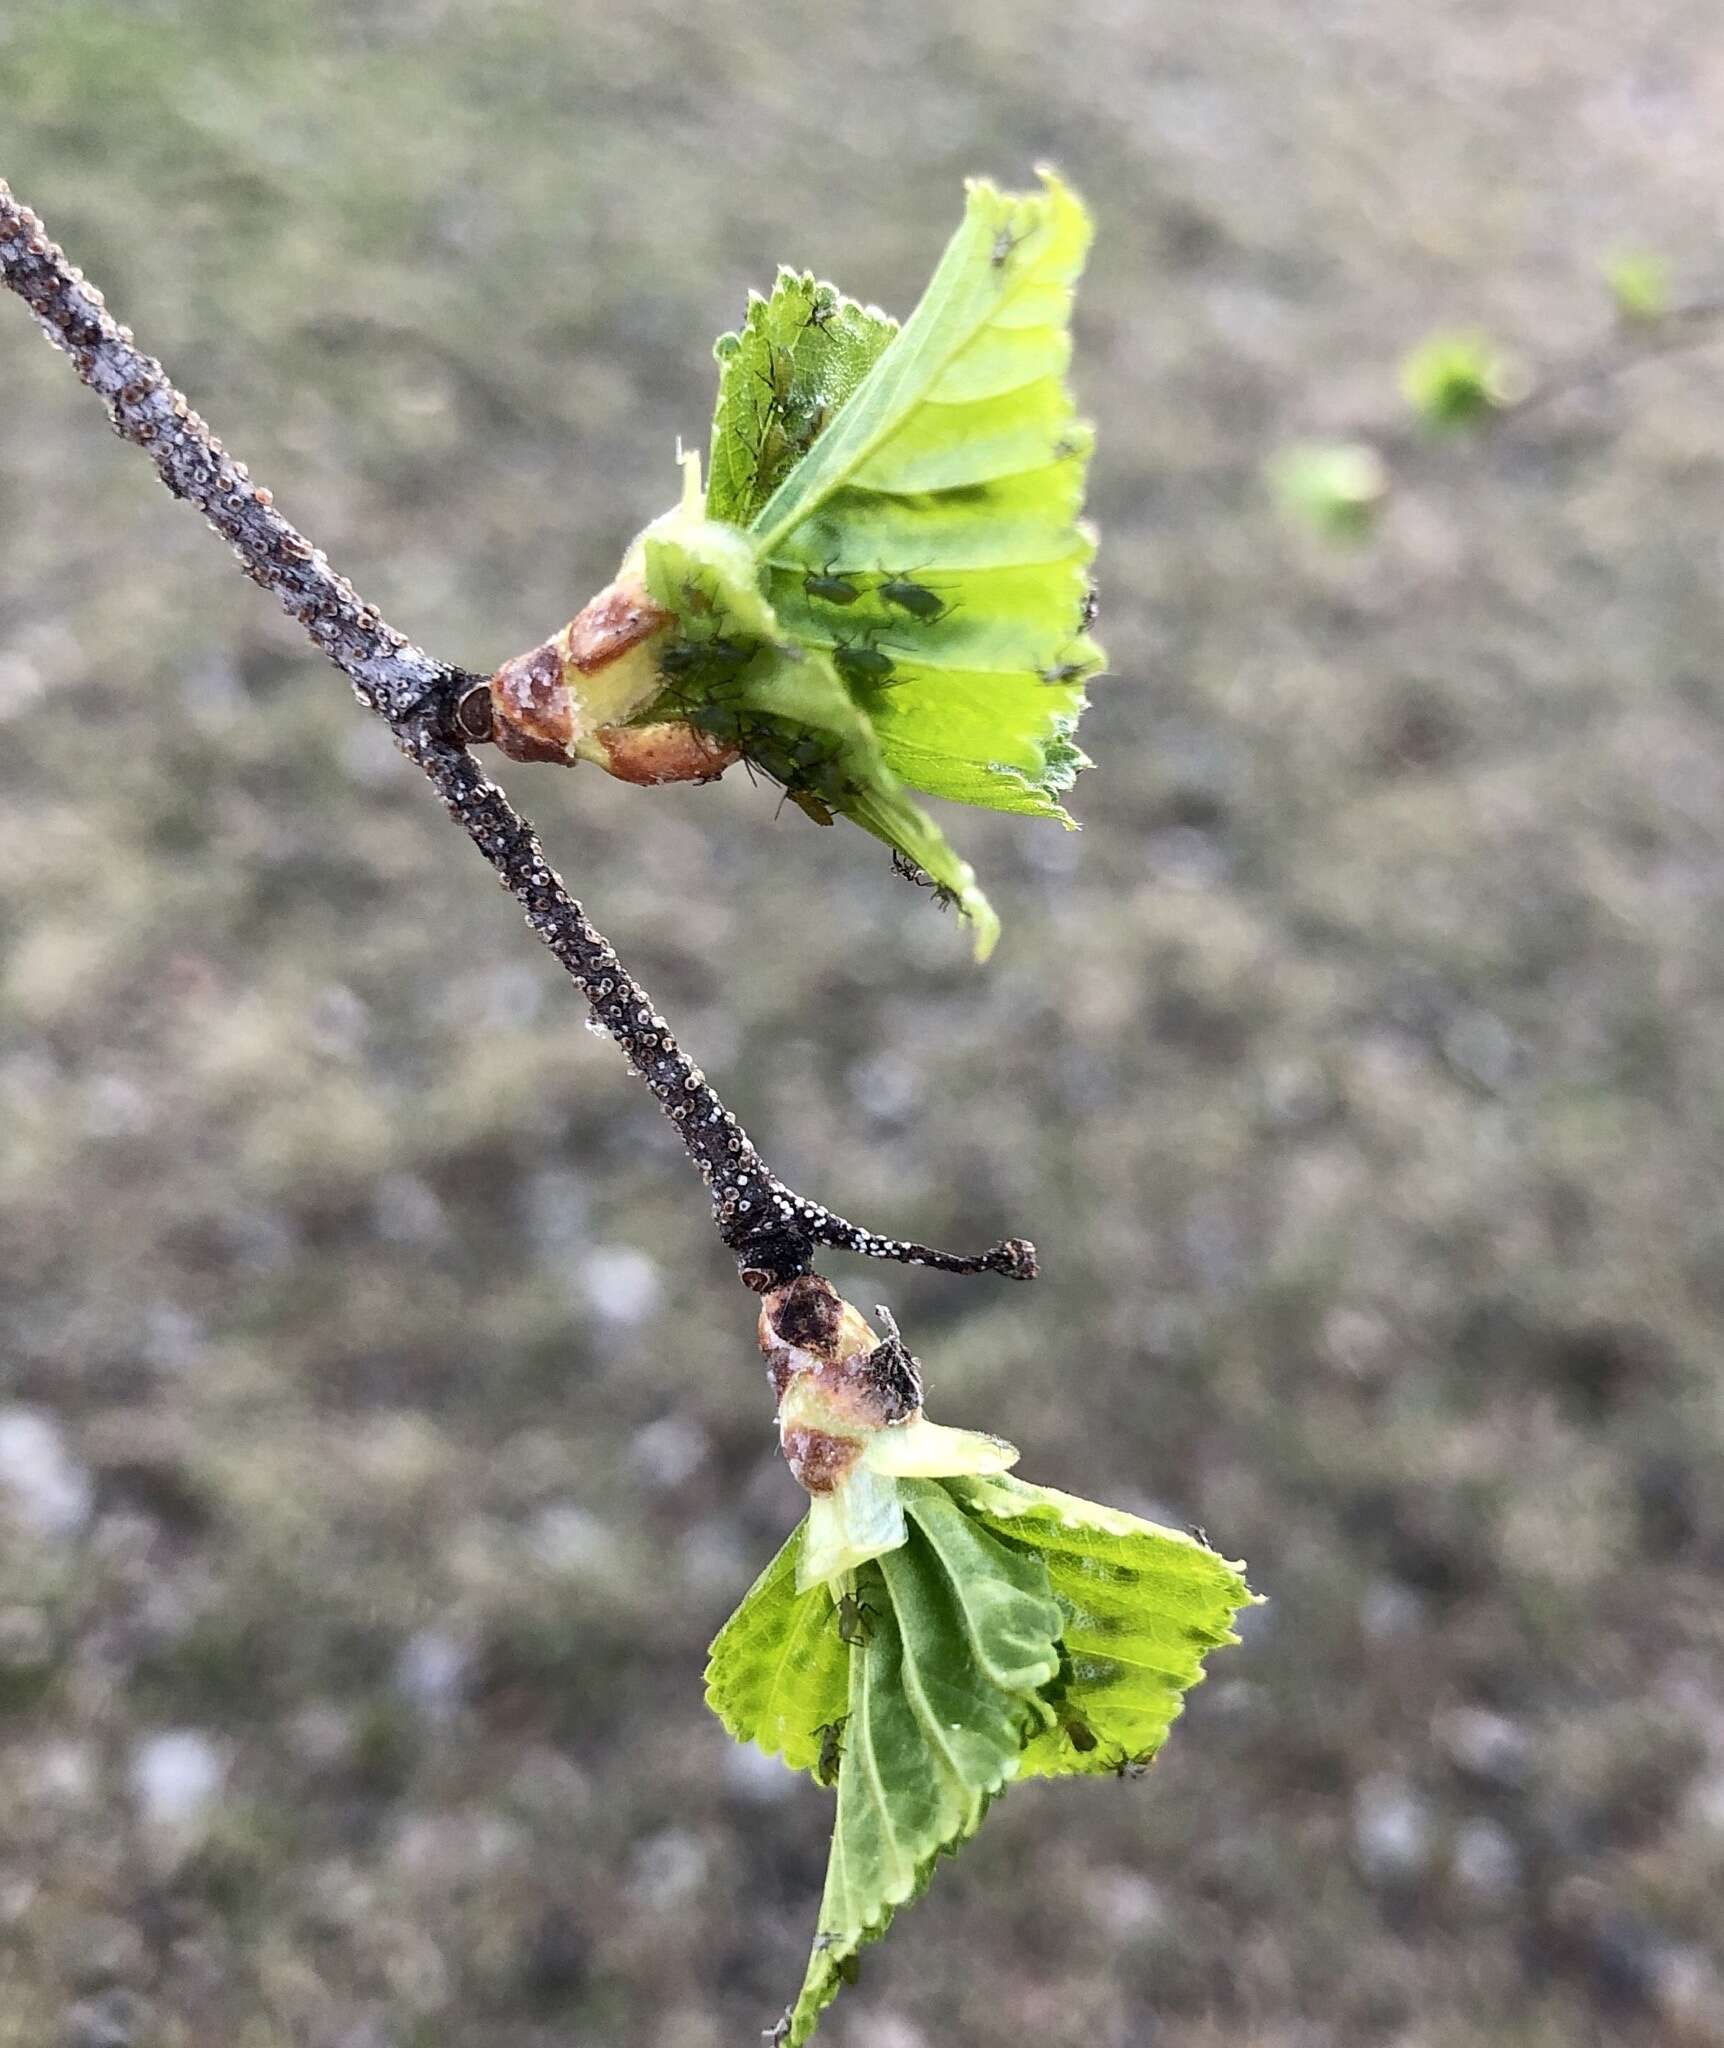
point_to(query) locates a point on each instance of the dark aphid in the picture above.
(1091, 605)
(850, 1967)
(1004, 243)
(1132, 1766)
(680, 658)
(915, 598)
(1063, 672)
(829, 588)
(714, 656)
(1080, 1735)
(731, 655)
(776, 2035)
(831, 1735)
(822, 311)
(855, 1621)
(1198, 1533)
(920, 878)
(863, 665)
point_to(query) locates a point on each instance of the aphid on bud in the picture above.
(1004, 243)
(855, 1621)
(830, 588)
(831, 1735)
(863, 665)
(915, 598)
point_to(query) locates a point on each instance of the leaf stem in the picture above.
(771, 1229)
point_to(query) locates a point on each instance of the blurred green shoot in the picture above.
(1334, 489)
(1457, 380)
(1639, 285)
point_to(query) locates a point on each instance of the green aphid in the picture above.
(831, 1735)
(912, 597)
(855, 1621)
(780, 368)
(829, 588)
(863, 665)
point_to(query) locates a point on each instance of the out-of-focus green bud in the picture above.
(1455, 380)
(1336, 488)
(1639, 284)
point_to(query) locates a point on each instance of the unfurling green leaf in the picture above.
(1016, 1632)
(909, 608)
(778, 1672)
(782, 378)
(945, 1691)
(1141, 1608)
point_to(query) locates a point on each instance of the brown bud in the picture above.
(620, 617)
(818, 1460)
(673, 751)
(533, 717)
(572, 698)
(807, 1312)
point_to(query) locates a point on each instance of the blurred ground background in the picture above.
(381, 1436)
